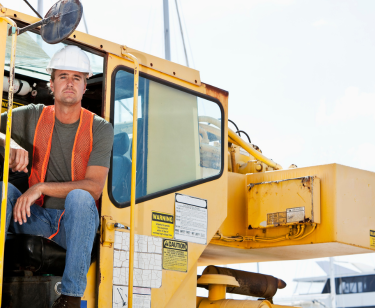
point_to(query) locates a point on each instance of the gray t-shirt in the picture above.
(24, 123)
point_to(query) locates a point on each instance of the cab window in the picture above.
(178, 146)
(32, 58)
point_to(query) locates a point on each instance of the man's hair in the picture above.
(53, 76)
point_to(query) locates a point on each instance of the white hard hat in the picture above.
(70, 58)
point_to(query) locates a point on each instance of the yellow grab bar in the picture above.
(7, 149)
(248, 147)
(134, 174)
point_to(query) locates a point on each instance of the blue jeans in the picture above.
(77, 232)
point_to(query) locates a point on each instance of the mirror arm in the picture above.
(37, 24)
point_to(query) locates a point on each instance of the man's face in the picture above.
(68, 87)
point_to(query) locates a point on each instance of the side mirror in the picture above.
(60, 21)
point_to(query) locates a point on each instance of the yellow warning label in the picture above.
(175, 255)
(4, 105)
(372, 238)
(162, 225)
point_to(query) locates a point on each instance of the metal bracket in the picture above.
(108, 231)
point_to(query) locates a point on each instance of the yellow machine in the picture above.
(202, 195)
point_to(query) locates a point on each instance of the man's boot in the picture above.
(65, 301)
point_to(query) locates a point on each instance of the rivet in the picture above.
(196, 81)
(15, 15)
(101, 46)
(74, 36)
(151, 64)
(174, 73)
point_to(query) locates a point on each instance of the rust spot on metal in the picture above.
(211, 90)
(307, 182)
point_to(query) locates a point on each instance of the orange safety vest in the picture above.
(42, 147)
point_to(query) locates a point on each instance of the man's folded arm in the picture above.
(93, 183)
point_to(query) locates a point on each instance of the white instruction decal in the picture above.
(190, 219)
(141, 297)
(295, 214)
(147, 260)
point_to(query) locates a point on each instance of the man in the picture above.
(68, 149)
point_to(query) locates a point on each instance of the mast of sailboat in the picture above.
(332, 282)
(167, 32)
(39, 39)
(40, 7)
(167, 36)
(182, 34)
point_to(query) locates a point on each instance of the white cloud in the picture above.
(320, 23)
(352, 105)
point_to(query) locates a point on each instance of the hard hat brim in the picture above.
(68, 68)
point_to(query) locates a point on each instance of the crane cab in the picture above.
(180, 161)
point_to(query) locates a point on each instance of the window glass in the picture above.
(179, 137)
(33, 56)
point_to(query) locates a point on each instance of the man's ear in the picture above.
(51, 85)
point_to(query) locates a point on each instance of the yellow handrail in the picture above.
(7, 149)
(248, 147)
(134, 174)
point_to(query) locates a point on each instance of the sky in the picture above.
(300, 73)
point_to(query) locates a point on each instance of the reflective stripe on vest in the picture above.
(42, 147)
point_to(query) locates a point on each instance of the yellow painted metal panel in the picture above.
(347, 202)
(214, 191)
(283, 202)
(90, 294)
(148, 62)
(355, 206)
(217, 255)
(236, 220)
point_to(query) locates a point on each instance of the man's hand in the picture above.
(22, 207)
(18, 158)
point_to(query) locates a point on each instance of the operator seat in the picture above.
(43, 256)
(121, 167)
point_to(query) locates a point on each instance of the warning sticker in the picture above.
(162, 225)
(175, 255)
(295, 214)
(191, 219)
(276, 218)
(4, 105)
(372, 238)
